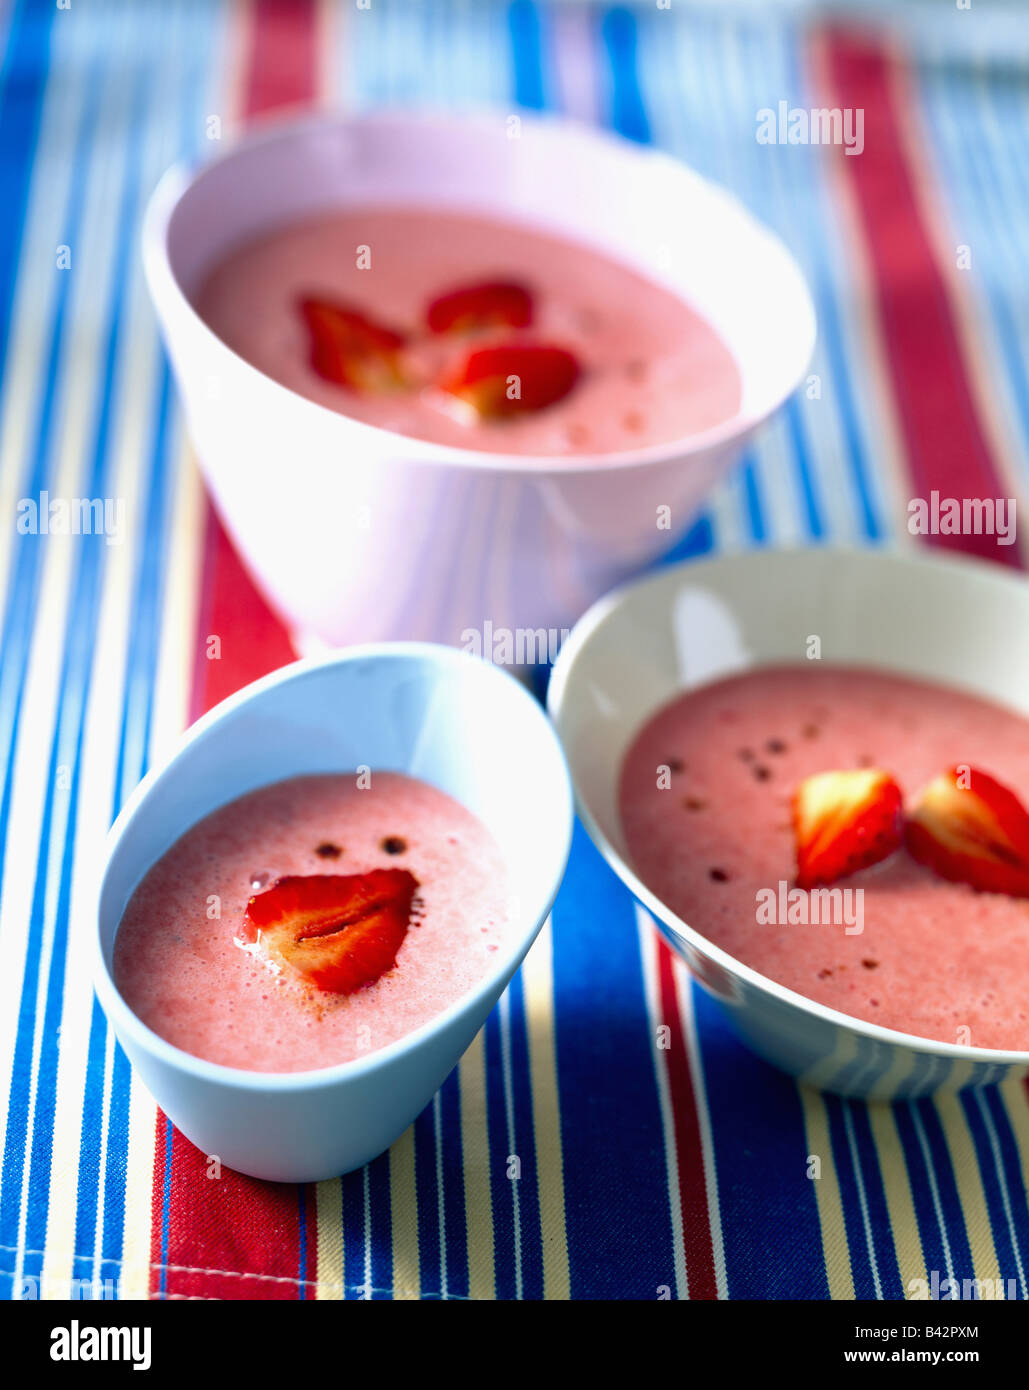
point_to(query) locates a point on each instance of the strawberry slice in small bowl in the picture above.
(969, 828)
(338, 932)
(351, 349)
(477, 307)
(511, 379)
(843, 821)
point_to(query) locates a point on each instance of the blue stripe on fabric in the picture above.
(946, 1185)
(771, 1232)
(699, 540)
(616, 1178)
(502, 1192)
(90, 1151)
(862, 1194)
(454, 1216)
(169, 1153)
(23, 73)
(860, 1260)
(353, 1230)
(1015, 1176)
(523, 23)
(752, 499)
(798, 437)
(524, 1145)
(112, 1235)
(996, 1176)
(302, 1205)
(626, 111)
(875, 1200)
(380, 1234)
(430, 1243)
(929, 1230)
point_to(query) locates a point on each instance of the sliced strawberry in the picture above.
(350, 349)
(844, 821)
(513, 379)
(338, 931)
(470, 308)
(968, 828)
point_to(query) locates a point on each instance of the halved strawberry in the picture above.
(490, 304)
(513, 379)
(968, 828)
(350, 349)
(339, 931)
(844, 821)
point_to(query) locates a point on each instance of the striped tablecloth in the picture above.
(644, 1173)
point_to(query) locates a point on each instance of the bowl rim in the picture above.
(178, 180)
(119, 1012)
(670, 923)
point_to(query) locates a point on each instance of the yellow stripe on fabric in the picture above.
(835, 1246)
(907, 1241)
(139, 1192)
(538, 985)
(329, 1217)
(404, 1217)
(969, 1182)
(1015, 1096)
(179, 616)
(478, 1196)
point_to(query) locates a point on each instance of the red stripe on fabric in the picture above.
(238, 637)
(696, 1218)
(944, 439)
(282, 67)
(228, 1236)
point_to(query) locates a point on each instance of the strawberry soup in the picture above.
(473, 333)
(847, 779)
(313, 921)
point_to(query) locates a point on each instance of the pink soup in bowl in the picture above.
(439, 371)
(871, 942)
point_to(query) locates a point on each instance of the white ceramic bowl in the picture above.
(432, 712)
(359, 534)
(953, 621)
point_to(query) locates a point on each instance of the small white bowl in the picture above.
(431, 712)
(952, 621)
(359, 534)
